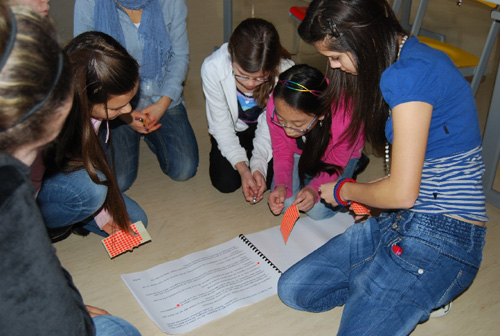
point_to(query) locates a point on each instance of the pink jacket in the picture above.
(338, 152)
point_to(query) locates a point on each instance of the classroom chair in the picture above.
(467, 63)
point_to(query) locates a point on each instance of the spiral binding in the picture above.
(256, 250)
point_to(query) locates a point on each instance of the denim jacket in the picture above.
(174, 73)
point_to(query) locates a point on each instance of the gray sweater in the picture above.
(37, 296)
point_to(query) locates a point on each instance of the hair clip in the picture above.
(333, 28)
(299, 87)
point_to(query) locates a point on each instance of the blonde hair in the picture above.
(35, 77)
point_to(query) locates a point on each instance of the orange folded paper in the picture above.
(289, 218)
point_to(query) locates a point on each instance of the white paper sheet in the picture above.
(183, 294)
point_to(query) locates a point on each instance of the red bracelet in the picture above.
(336, 191)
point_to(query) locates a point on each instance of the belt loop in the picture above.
(472, 240)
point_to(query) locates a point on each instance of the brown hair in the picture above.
(255, 45)
(102, 68)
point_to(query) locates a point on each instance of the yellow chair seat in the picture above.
(461, 58)
(492, 5)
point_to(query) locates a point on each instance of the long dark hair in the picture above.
(318, 138)
(369, 30)
(255, 45)
(102, 69)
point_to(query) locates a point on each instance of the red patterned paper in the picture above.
(359, 209)
(121, 242)
(289, 218)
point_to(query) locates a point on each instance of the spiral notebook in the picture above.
(185, 293)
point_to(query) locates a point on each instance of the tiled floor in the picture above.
(190, 216)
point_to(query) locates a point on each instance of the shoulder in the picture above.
(218, 62)
(285, 64)
(421, 74)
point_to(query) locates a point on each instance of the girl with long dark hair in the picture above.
(425, 248)
(80, 185)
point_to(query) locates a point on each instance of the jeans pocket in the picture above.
(413, 255)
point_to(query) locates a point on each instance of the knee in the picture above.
(183, 173)
(226, 186)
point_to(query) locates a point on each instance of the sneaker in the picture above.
(442, 311)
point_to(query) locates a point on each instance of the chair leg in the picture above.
(481, 69)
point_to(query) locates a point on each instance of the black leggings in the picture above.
(224, 177)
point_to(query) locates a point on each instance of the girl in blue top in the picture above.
(154, 33)
(425, 248)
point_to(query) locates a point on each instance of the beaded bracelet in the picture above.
(336, 191)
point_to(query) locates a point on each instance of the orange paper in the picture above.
(359, 209)
(289, 218)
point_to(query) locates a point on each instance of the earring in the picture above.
(321, 123)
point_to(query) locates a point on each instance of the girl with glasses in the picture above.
(309, 141)
(425, 248)
(237, 81)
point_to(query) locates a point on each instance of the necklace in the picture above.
(403, 40)
(387, 163)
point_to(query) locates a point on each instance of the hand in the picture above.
(261, 184)
(155, 111)
(94, 311)
(276, 199)
(305, 199)
(326, 192)
(141, 123)
(111, 228)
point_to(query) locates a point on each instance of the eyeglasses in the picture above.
(275, 121)
(246, 78)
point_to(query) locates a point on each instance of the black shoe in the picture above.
(59, 234)
(79, 230)
(363, 162)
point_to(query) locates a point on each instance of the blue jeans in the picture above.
(67, 199)
(109, 325)
(385, 293)
(320, 210)
(174, 145)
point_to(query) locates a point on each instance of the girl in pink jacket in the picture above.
(310, 143)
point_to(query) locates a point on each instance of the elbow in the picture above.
(406, 200)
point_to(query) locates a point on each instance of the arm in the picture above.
(220, 120)
(174, 15)
(400, 190)
(340, 150)
(43, 291)
(261, 155)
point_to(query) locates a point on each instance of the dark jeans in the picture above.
(224, 177)
(174, 144)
